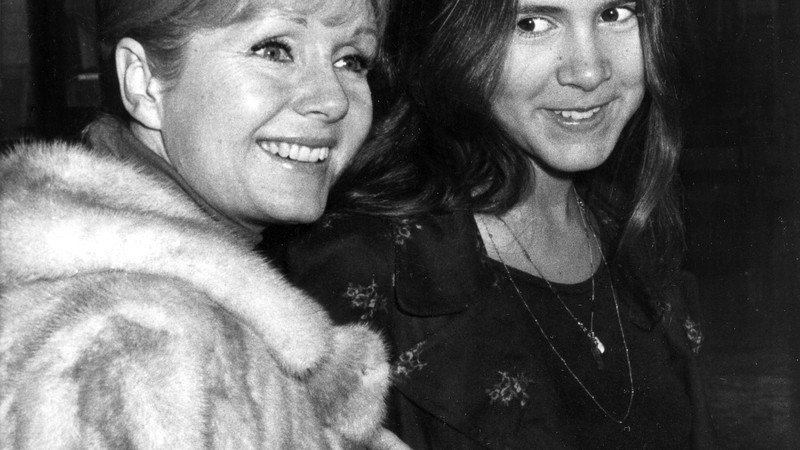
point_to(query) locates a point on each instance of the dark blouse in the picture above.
(471, 367)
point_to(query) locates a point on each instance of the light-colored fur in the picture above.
(129, 319)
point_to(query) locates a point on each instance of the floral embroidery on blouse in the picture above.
(327, 220)
(694, 334)
(665, 309)
(409, 362)
(403, 229)
(365, 298)
(509, 389)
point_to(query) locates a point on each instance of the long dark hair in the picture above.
(437, 147)
(637, 190)
(428, 151)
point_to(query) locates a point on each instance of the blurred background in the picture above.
(741, 175)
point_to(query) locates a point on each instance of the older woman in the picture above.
(520, 244)
(133, 312)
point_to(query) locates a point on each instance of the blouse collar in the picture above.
(439, 265)
(442, 268)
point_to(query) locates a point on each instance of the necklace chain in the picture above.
(590, 333)
(597, 346)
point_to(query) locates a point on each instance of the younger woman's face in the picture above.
(573, 77)
(267, 113)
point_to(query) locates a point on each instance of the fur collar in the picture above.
(66, 211)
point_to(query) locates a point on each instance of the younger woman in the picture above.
(520, 246)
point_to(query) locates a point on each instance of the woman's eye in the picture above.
(353, 63)
(534, 25)
(273, 51)
(620, 14)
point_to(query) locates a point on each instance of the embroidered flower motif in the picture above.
(665, 310)
(408, 362)
(403, 229)
(694, 334)
(365, 298)
(509, 389)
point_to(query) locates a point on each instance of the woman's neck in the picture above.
(153, 141)
(550, 197)
(547, 226)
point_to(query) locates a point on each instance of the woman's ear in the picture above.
(141, 92)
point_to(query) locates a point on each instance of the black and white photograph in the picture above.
(399, 224)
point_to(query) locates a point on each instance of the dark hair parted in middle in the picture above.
(439, 147)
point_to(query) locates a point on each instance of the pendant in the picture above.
(597, 343)
(597, 351)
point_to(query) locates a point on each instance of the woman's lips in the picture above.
(295, 152)
(579, 118)
(578, 115)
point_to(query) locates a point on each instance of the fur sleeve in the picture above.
(138, 361)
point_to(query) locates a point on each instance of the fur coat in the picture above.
(130, 319)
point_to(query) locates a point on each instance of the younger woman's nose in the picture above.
(585, 64)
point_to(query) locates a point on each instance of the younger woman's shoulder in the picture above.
(678, 311)
(429, 263)
(345, 261)
(351, 228)
(382, 233)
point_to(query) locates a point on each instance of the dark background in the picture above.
(741, 174)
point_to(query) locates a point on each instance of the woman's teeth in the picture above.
(578, 115)
(296, 152)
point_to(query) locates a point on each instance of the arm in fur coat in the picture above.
(129, 319)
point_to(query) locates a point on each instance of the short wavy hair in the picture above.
(163, 28)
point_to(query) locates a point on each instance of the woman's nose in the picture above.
(320, 94)
(586, 64)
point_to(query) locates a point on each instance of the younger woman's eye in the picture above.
(534, 25)
(353, 63)
(273, 51)
(618, 14)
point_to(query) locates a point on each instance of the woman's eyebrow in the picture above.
(539, 9)
(621, 2)
(289, 16)
(367, 30)
(617, 3)
(554, 10)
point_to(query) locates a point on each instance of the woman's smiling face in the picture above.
(266, 113)
(573, 77)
